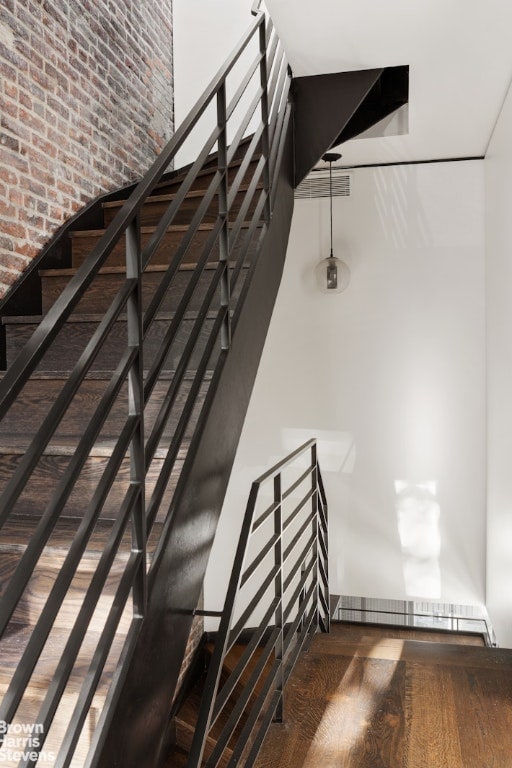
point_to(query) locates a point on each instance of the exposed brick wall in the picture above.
(85, 103)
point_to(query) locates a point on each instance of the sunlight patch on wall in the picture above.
(418, 515)
(336, 449)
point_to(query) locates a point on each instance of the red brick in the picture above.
(82, 100)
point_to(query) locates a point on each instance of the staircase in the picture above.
(118, 429)
(35, 401)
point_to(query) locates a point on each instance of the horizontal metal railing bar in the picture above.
(292, 628)
(293, 654)
(271, 53)
(87, 608)
(263, 728)
(239, 626)
(323, 573)
(244, 699)
(159, 490)
(244, 208)
(300, 586)
(64, 578)
(279, 123)
(324, 602)
(228, 687)
(35, 546)
(243, 86)
(253, 716)
(182, 249)
(277, 468)
(168, 217)
(182, 367)
(278, 74)
(260, 557)
(101, 653)
(240, 133)
(153, 373)
(299, 560)
(265, 515)
(50, 423)
(291, 546)
(249, 191)
(323, 545)
(293, 487)
(248, 157)
(322, 519)
(256, 222)
(298, 509)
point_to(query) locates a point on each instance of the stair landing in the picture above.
(368, 697)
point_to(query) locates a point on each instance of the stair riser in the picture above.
(104, 288)
(73, 337)
(204, 178)
(38, 395)
(82, 244)
(153, 210)
(50, 470)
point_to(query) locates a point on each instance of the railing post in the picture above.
(315, 525)
(136, 408)
(278, 585)
(265, 139)
(222, 164)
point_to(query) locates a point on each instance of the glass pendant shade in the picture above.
(332, 275)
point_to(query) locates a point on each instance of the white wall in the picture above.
(205, 33)
(390, 376)
(498, 172)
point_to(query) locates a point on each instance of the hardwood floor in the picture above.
(366, 697)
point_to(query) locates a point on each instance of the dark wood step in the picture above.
(38, 395)
(156, 205)
(204, 176)
(376, 699)
(11, 647)
(108, 281)
(82, 243)
(50, 468)
(74, 335)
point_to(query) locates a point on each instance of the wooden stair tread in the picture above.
(121, 269)
(393, 649)
(204, 227)
(96, 318)
(17, 530)
(66, 446)
(166, 375)
(192, 193)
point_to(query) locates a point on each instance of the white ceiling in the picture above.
(459, 53)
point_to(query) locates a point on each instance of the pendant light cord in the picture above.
(330, 198)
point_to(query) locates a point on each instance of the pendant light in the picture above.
(332, 274)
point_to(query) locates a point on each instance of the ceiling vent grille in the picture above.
(316, 184)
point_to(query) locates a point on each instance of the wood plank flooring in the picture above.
(369, 697)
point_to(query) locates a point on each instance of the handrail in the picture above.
(143, 460)
(295, 608)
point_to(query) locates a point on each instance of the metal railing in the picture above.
(138, 460)
(279, 590)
